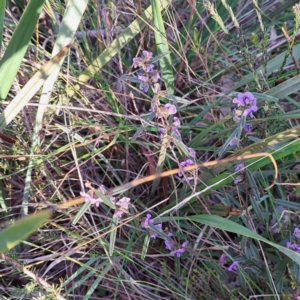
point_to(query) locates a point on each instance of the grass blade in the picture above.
(29, 90)
(163, 47)
(16, 49)
(18, 232)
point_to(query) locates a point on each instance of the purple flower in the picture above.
(177, 252)
(233, 141)
(239, 167)
(123, 207)
(244, 99)
(147, 221)
(171, 109)
(153, 235)
(249, 111)
(239, 100)
(142, 78)
(238, 179)
(296, 232)
(183, 164)
(176, 122)
(248, 127)
(168, 243)
(88, 198)
(137, 62)
(293, 246)
(144, 87)
(233, 267)
(148, 55)
(223, 258)
(161, 132)
(150, 68)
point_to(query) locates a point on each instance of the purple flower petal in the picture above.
(142, 78)
(296, 232)
(239, 167)
(176, 122)
(171, 109)
(137, 62)
(147, 221)
(150, 68)
(239, 100)
(177, 252)
(248, 127)
(233, 141)
(148, 55)
(233, 267)
(223, 258)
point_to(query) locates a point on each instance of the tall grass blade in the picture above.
(163, 47)
(16, 49)
(18, 232)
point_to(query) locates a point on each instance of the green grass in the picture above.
(75, 118)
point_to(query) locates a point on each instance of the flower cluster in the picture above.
(186, 163)
(122, 205)
(169, 244)
(248, 101)
(149, 75)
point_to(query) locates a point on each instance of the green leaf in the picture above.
(29, 90)
(16, 49)
(18, 232)
(2, 14)
(163, 47)
(113, 234)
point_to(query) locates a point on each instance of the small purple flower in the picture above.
(150, 68)
(168, 243)
(184, 244)
(233, 267)
(177, 252)
(296, 232)
(233, 141)
(223, 258)
(239, 167)
(148, 55)
(249, 111)
(238, 179)
(185, 163)
(144, 87)
(293, 246)
(161, 132)
(248, 127)
(176, 122)
(123, 206)
(171, 109)
(239, 100)
(147, 221)
(142, 78)
(137, 62)
(153, 235)
(88, 198)
(248, 98)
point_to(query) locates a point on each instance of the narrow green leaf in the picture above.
(16, 49)
(18, 232)
(29, 90)
(112, 235)
(163, 47)
(2, 14)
